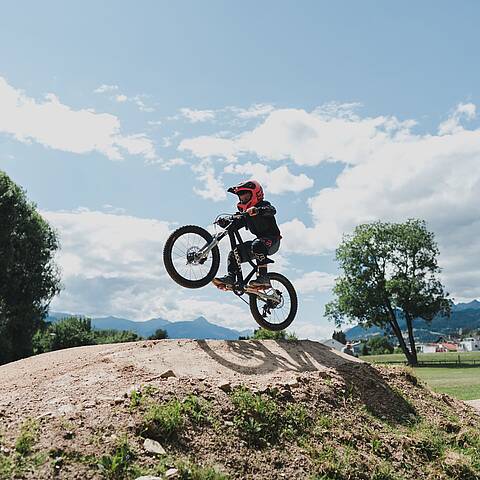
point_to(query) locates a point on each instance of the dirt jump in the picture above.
(262, 409)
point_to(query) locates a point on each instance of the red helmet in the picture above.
(251, 186)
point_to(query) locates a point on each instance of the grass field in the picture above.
(462, 382)
(447, 356)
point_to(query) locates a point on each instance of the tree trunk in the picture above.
(409, 320)
(411, 357)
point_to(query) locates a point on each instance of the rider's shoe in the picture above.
(262, 281)
(228, 280)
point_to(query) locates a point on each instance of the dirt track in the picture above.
(64, 381)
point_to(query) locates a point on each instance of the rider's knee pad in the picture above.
(259, 250)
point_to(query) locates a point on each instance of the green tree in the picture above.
(29, 277)
(264, 334)
(76, 332)
(67, 333)
(115, 336)
(379, 345)
(339, 336)
(390, 270)
(159, 334)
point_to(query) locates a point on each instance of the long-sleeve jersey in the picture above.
(263, 224)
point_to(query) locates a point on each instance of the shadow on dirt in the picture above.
(362, 379)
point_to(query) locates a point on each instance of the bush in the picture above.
(160, 334)
(264, 334)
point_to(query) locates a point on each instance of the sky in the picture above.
(123, 121)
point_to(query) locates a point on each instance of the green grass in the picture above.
(462, 383)
(261, 421)
(446, 357)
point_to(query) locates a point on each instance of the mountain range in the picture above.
(200, 328)
(464, 316)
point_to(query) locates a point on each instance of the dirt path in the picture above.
(66, 381)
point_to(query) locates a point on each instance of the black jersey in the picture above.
(263, 224)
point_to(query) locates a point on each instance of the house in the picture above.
(427, 347)
(470, 344)
(449, 346)
(437, 347)
(332, 343)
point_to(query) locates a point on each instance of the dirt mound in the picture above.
(63, 378)
(227, 409)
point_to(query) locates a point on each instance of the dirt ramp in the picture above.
(104, 372)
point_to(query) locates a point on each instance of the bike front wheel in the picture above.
(179, 257)
(278, 311)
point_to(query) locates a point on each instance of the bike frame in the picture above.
(236, 241)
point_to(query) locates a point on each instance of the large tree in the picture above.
(390, 270)
(29, 277)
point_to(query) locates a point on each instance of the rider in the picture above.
(261, 222)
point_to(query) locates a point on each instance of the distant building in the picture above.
(470, 344)
(440, 347)
(332, 343)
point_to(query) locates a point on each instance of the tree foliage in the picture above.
(377, 345)
(159, 334)
(264, 334)
(29, 277)
(76, 332)
(389, 269)
(339, 336)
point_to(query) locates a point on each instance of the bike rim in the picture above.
(184, 246)
(280, 313)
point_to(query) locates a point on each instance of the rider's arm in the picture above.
(266, 209)
(240, 221)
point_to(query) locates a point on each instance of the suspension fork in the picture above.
(203, 252)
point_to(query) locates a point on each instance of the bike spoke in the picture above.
(185, 244)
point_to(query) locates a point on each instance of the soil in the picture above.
(81, 399)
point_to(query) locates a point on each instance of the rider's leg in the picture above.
(232, 270)
(260, 248)
(235, 258)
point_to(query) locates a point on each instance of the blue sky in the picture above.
(123, 120)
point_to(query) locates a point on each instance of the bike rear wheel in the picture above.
(179, 257)
(274, 315)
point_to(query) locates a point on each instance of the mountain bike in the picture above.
(192, 259)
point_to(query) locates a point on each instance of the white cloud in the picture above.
(168, 164)
(210, 146)
(452, 124)
(276, 181)
(55, 125)
(212, 185)
(255, 111)
(106, 88)
(306, 138)
(138, 100)
(195, 116)
(315, 281)
(112, 265)
(142, 106)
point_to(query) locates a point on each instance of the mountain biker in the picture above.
(261, 222)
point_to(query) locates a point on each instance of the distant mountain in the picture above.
(473, 305)
(464, 316)
(199, 328)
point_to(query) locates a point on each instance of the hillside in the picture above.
(464, 316)
(237, 409)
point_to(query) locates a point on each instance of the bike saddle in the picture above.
(269, 260)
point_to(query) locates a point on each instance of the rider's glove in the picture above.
(224, 221)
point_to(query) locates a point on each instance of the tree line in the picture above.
(77, 332)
